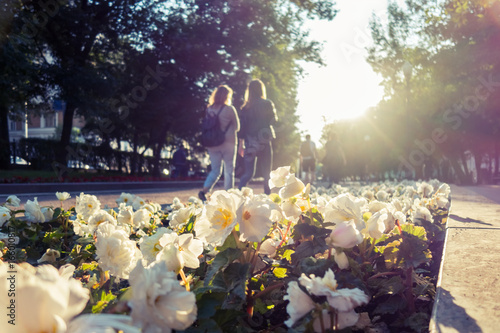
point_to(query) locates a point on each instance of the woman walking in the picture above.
(258, 116)
(224, 155)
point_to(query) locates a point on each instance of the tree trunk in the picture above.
(61, 155)
(4, 138)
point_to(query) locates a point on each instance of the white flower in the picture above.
(268, 247)
(179, 218)
(254, 216)
(171, 257)
(4, 215)
(63, 196)
(218, 218)
(375, 226)
(382, 195)
(125, 214)
(142, 218)
(138, 202)
(196, 202)
(125, 198)
(341, 259)
(102, 323)
(115, 251)
(46, 299)
(346, 207)
(279, 176)
(13, 200)
(293, 186)
(49, 256)
(341, 299)
(86, 205)
(100, 216)
(33, 211)
(345, 234)
(299, 304)
(344, 319)
(180, 251)
(176, 204)
(159, 303)
(291, 209)
(424, 189)
(151, 245)
(421, 213)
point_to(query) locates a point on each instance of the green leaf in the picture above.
(221, 260)
(208, 304)
(203, 325)
(383, 286)
(392, 305)
(414, 230)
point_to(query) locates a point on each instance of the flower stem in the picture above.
(184, 279)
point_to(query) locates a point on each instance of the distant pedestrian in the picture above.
(258, 116)
(334, 161)
(308, 157)
(179, 161)
(224, 155)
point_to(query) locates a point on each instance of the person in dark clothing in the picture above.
(179, 161)
(258, 115)
(334, 161)
(308, 156)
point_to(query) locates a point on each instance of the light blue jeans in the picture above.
(223, 156)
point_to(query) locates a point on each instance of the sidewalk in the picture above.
(469, 279)
(25, 188)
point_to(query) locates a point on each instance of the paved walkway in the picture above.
(467, 299)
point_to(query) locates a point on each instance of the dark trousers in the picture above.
(264, 155)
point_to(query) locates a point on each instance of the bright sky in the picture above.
(347, 85)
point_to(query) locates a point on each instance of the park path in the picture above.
(467, 299)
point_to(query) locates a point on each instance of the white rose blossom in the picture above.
(346, 207)
(62, 196)
(159, 303)
(345, 234)
(341, 299)
(179, 218)
(13, 200)
(218, 218)
(86, 205)
(254, 217)
(279, 176)
(125, 214)
(138, 202)
(299, 304)
(115, 252)
(102, 323)
(4, 215)
(180, 251)
(33, 212)
(125, 198)
(152, 245)
(46, 299)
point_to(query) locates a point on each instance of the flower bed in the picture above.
(357, 259)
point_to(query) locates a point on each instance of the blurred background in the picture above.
(103, 90)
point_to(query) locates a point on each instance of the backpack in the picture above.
(211, 133)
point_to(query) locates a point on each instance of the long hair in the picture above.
(220, 96)
(255, 90)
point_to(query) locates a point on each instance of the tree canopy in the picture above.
(141, 71)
